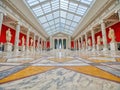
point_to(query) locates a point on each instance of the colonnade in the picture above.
(28, 46)
(85, 46)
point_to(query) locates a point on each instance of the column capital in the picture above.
(101, 21)
(18, 23)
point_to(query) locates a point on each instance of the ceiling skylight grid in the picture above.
(59, 15)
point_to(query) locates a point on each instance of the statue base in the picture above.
(113, 46)
(31, 48)
(23, 48)
(8, 47)
(98, 48)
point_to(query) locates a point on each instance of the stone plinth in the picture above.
(8, 47)
(113, 46)
(23, 48)
(31, 48)
(98, 48)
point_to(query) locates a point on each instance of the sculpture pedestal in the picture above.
(8, 47)
(113, 46)
(23, 48)
(31, 48)
(98, 48)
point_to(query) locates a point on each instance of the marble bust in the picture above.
(8, 35)
(111, 35)
(98, 40)
(23, 41)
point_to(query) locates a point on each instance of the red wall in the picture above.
(96, 35)
(72, 44)
(3, 34)
(48, 44)
(20, 39)
(116, 28)
(13, 32)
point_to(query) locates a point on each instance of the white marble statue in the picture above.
(31, 42)
(8, 35)
(98, 40)
(23, 41)
(111, 35)
(89, 42)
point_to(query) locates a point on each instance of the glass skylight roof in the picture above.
(59, 15)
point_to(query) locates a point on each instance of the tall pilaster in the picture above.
(16, 47)
(86, 40)
(34, 44)
(119, 14)
(104, 35)
(51, 43)
(82, 42)
(27, 41)
(78, 44)
(1, 21)
(69, 43)
(93, 40)
(38, 44)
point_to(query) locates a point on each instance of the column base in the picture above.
(23, 48)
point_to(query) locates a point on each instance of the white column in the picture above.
(62, 43)
(1, 21)
(57, 43)
(119, 14)
(82, 42)
(51, 46)
(93, 40)
(86, 40)
(53, 43)
(38, 43)
(104, 36)
(27, 41)
(69, 43)
(34, 42)
(78, 44)
(16, 47)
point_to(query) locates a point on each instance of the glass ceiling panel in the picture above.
(59, 15)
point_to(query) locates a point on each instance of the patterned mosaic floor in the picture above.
(51, 73)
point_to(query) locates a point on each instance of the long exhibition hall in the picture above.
(59, 44)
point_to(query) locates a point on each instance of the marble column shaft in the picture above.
(104, 35)
(1, 21)
(81, 42)
(93, 39)
(86, 40)
(119, 14)
(27, 41)
(16, 47)
(34, 42)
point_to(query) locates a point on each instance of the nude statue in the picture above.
(23, 41)
(98, 40)
(111, 35)
(8, 35)
(89, 42)
(31, 42)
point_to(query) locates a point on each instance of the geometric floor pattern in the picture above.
(50, 73)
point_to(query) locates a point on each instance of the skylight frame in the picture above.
(44, 8)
